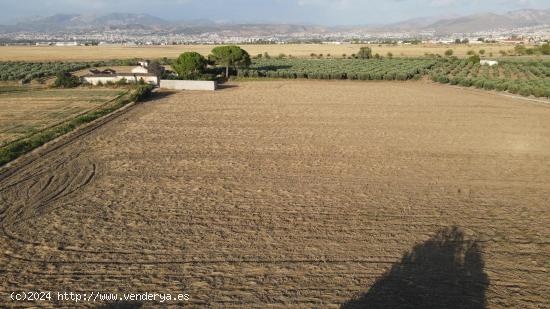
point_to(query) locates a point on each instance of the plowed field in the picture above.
(293, 194)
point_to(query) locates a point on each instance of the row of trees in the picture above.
(192, 65)
(524, 78)
(27, 71)
(522, 50)
(361, 69)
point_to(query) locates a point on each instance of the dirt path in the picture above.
(293, 194)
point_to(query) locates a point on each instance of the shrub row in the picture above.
(524, 88)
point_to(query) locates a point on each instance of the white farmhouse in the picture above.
(96, 79)
(488, 62)
(140, 70)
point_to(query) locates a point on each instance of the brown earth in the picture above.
(293, 194)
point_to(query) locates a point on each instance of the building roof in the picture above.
(107, 71)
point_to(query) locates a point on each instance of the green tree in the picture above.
(482, 51)
(66, 80)
(520, 50)
(230, 56)
(449, 52)
(155, 67)
(364, 53)
(190, 65)
(474, 59)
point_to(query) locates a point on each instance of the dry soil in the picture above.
(293, 194)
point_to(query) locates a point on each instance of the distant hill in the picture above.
(65, 22)
(490, 21)
(125, 21)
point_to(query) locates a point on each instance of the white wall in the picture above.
(188, 85)
(94, 80)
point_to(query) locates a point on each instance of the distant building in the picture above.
(488, 62)
(66, 44)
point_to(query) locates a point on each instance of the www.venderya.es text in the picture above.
(78, 297)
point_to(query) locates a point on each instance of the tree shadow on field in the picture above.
(122, 305)
(156, 95)
(273, 67)
(226, 86)
(444, 272)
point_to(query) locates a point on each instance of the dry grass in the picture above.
(293, 194)
(81, 53)
(26, 110)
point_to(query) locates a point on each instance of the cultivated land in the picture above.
(88, 53)
(301, 194)
(527, 78)
(30, 109)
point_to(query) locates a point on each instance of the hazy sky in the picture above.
(331, 12)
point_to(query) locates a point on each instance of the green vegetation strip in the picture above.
(527, 78)
(354, 69)
(14, 150)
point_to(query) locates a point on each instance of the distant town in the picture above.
(527, 35)
(522, 26)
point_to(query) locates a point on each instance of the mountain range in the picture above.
(126, 21)
(491, 21)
